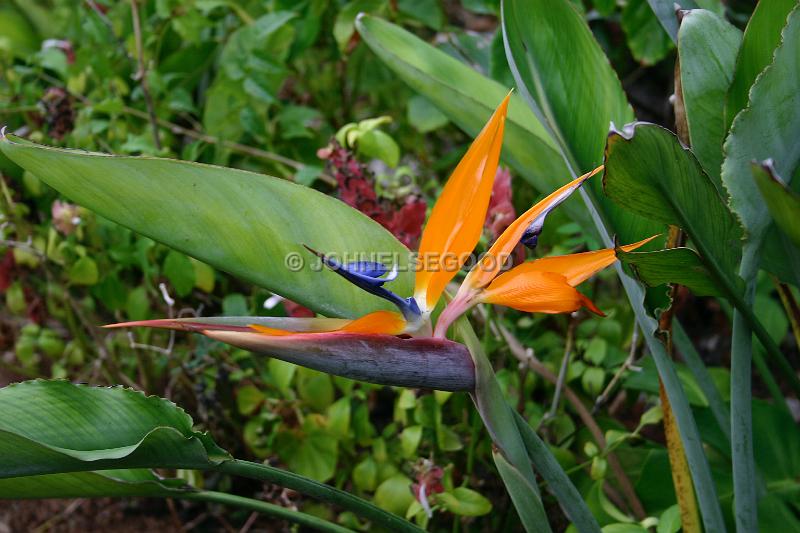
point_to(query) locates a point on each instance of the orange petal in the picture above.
(456, 220)
(536, 292)
(377, 323)
(577, 268)
(492, 263)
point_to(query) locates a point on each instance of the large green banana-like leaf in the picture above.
(707, 47)
(56, 435)
(54, 426)
(467, 97)
(251, 225)
(105, 483)
(673, 265)
(761, 37)
(666, 12)
(767, 129)
(566, 77)
(553, 54)
(568, 82)
(649, 172)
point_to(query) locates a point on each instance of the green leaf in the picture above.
(55, 426)
(670, 520)
(429, 12)
(761, 37)
(648, 42)
(313, 454)
(538, 34)
(707, 47)
(782, 202)
(180, 272)
(248, 399)
(518, 486)
(664, 10)
(394, 494)
(761, 131)
(338, 415)
(137, 304)
(345, 24)
(314, 388)
(84, 272)
(423, 115)
(511, 456)
(674, 265)
(203, 276)
(462, 501)
(250, 225)
(139, 482)
(592, 380)
(467, 98)
(365, 474)
(409, 440)
(554, 84)
(650, 173)
(379, 145)
(558, 481)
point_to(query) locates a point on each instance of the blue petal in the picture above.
(366, 275)
(367, 268)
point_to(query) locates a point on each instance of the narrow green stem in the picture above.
(744, 473)
(746, 310)
(270, 509)
(317, 490)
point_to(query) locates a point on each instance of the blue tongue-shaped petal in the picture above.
(367, 275)
(367, 268)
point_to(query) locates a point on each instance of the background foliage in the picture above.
(268, 87)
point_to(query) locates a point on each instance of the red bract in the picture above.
(501, 211)
(406, 223)
(357, 189)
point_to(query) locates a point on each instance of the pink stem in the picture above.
(452, 311)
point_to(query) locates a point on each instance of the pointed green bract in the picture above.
(250, 225)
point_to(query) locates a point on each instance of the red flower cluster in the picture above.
(501, 212)
(357, 189)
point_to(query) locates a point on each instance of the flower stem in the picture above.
(317, 490)
(270, 509)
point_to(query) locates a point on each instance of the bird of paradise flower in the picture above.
(403, 348)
